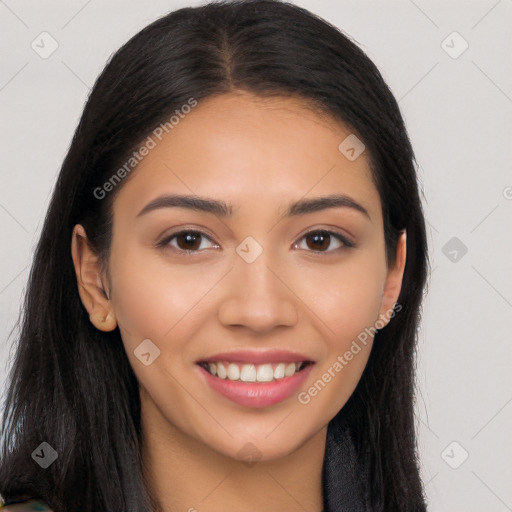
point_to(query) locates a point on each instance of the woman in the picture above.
(223, 305)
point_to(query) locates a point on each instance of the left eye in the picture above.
(321, 240)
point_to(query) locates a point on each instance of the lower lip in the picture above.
(257, 394)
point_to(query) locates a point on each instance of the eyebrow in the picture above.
(225, 210)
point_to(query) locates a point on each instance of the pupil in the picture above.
(319, 238)
(190, 240)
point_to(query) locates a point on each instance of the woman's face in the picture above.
(258, 276)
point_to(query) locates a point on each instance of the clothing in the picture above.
(27, 506)
(342, 474)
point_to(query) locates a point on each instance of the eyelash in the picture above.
(346, 243)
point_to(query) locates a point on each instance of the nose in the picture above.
(258, 297)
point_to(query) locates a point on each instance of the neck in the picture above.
(184, 474)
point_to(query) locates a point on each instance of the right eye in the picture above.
(187, 241)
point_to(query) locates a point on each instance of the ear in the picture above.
(93, 293)
(393, 283)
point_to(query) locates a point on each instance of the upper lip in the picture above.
(257, 357)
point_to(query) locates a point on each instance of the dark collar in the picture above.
(343, 476)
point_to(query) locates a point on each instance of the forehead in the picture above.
(250, 150)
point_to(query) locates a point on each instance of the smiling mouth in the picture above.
(242, 372)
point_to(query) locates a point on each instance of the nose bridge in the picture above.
(258, 281)
(257, 296)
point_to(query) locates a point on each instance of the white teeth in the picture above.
(265, 373)
(253, 373)
(233, 372)
(248, 373)
(290, 369)
(221, 371)
(279, 371)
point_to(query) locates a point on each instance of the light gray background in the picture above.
(459, 115)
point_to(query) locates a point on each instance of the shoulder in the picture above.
(26, 506)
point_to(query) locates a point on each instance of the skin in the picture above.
(259, 155)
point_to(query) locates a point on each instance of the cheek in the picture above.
(346, 299)
(156, 302)
(167, 304)
(144, 307)
(347, 303)
(149, 297)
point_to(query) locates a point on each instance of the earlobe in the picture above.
(93, 293)
(103, 322)
(393, 283)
